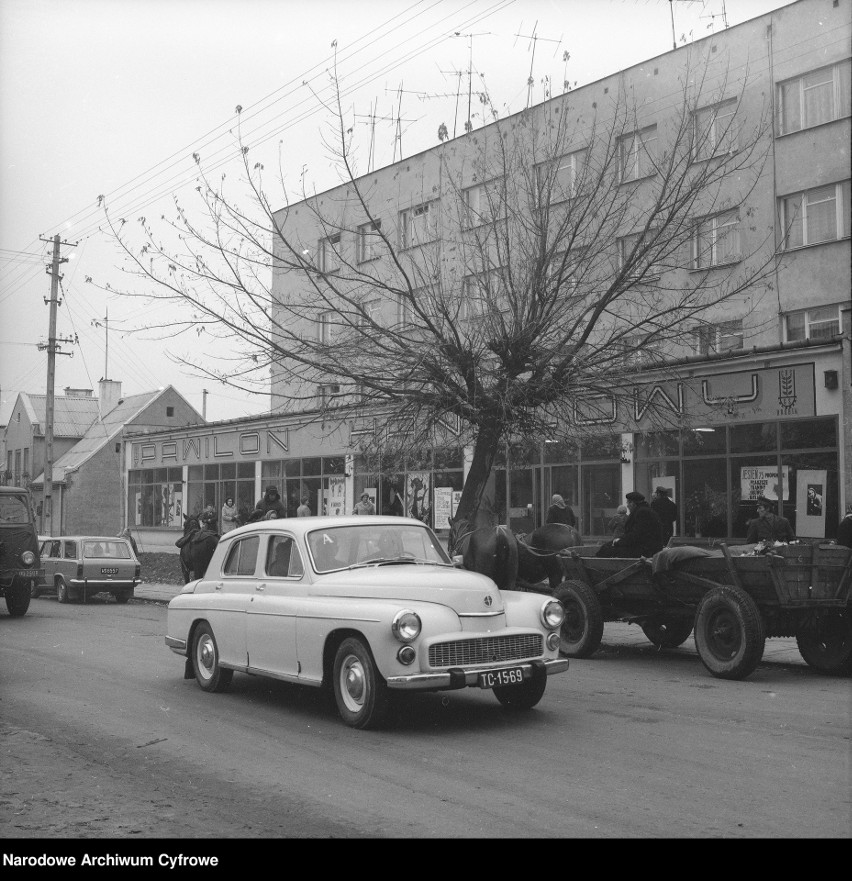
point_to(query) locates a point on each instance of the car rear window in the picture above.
(242, 558)
(111, 550)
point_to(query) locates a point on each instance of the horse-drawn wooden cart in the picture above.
(732, 601)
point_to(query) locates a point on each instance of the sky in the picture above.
(106, 98)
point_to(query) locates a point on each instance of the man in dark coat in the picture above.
(202, 544)
(271, 501)
(666, 510)
(768, 526)
(559, 512)
(844, 530)
(643, 533)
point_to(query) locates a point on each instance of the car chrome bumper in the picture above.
(462, 677)
(176, 645)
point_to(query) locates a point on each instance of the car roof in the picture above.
(304, 525)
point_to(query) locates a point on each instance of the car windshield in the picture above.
(13, 509)
(342, 547)
(112, 550)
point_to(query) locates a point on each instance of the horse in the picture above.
(488, 548)
(191, 525)
(539, 553)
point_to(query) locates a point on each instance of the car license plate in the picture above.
(30, 573)
(106, 570)
(491, 678)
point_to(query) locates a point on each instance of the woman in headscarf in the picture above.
(559, 512)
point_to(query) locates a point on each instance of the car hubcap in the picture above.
(353, 682)
(206, 656)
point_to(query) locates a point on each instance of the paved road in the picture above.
(102, 737)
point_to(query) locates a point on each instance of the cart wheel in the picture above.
(729, 632)
(582, 629)
(828, 646)
(666, 632)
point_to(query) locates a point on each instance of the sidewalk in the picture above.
(782, 650)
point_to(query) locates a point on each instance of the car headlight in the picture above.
(28, 558)
(552, 614)
(406, 625)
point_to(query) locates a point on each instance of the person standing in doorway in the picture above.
(559, 512)
(229, 515)
(666, 510)
(303, 510)
(365, 506)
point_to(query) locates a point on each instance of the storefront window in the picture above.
(754, 437)
(703, 505)
(810, 433)
(602, 446)
(311, 466)
(813, 508)
(701, 441)
(752, 477)
(655, 444)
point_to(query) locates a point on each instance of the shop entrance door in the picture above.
(601, 496)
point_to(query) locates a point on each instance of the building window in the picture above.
(638, 154)
(726, 336)
(369, 240)
(817, 97)
(418, 225)
(716, 240)
(557, 179)
(482, 294)
(330, 255)
(483, 203)
(327, 393)
(814, 216)
(328, 326)
(714, 130)
(170, 411)
(645, 267)
(812, 324)
(370, 314)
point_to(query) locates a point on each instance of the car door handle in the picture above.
(219, 586)
(261, 587)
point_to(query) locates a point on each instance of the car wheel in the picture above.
(523, 696)
(205, 660)
(729, 632)
(18, 599)
(667, 633)
(828, 646)
(582, 629)
(122, 597)
(360, 692)
(62, 595)
(35, 589)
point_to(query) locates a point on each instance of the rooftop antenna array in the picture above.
(468, 126)
(713, 16)
(534, 38)
(372, 118)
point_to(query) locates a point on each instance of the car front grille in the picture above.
(485, 650)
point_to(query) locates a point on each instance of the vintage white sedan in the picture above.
(364, 605)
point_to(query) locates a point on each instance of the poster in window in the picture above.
(444, 507)
(335, 496)
(762, 481)
(417, 495)
(810, 504)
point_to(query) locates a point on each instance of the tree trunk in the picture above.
(484, 451)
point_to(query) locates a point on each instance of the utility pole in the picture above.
(46, 521)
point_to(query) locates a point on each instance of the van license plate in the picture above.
(514, 676)
(109, 571)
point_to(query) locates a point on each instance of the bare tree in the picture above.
(514, 280)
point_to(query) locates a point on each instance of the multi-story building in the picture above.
(757, 390)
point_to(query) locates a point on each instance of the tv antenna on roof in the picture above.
(373, 118)
(468, 126)
(534, 38)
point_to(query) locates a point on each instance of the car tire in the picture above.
(35, 589)
(18, 599)
(667, 633)
(209, 674)
(729, 632)
(360, 693)
(62, 592)
(828, 647)
(582, 630)
(524, 696)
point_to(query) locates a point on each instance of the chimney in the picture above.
(109, 396)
